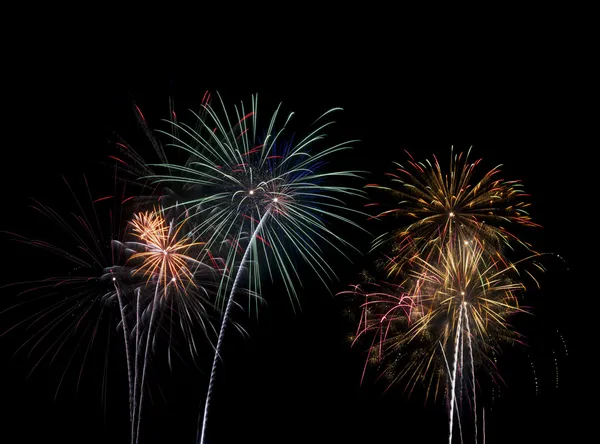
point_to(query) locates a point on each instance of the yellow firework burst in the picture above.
(440, 205)
(463, 296)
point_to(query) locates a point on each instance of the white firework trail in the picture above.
(225, 320)
(453, 377)
(472, 370)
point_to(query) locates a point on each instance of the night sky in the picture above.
(295, 378)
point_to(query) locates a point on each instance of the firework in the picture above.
(383, 307)
(262, 192)
(468, 299)
(450, 315)
(439, 205)
(135, 166)
(76, 301)
(457, 288)
(137, 276)
(163, 257)
(179, 280)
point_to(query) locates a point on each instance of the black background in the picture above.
(295, 379)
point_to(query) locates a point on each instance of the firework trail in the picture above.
(555, 368)
(243, 180)
(134, 430)
(127, 350)
(217, 356)
(454, 369)
(564, 343)
(472, 362)
(484, 426)
(535, 378)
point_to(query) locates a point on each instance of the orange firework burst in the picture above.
(165, 259)
(450, 204)
(165, 254)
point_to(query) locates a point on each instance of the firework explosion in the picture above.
(78, 303)
(137, 277)
(263, 192)
(246, 201)
(449, 311)
(166, 264)
(443, 205)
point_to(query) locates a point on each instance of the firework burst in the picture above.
(449, 316)
(264, 193)
(166, 263)
(242, 176)
(77, 305)
(440, 205)
(457, 290)
(164, 256)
